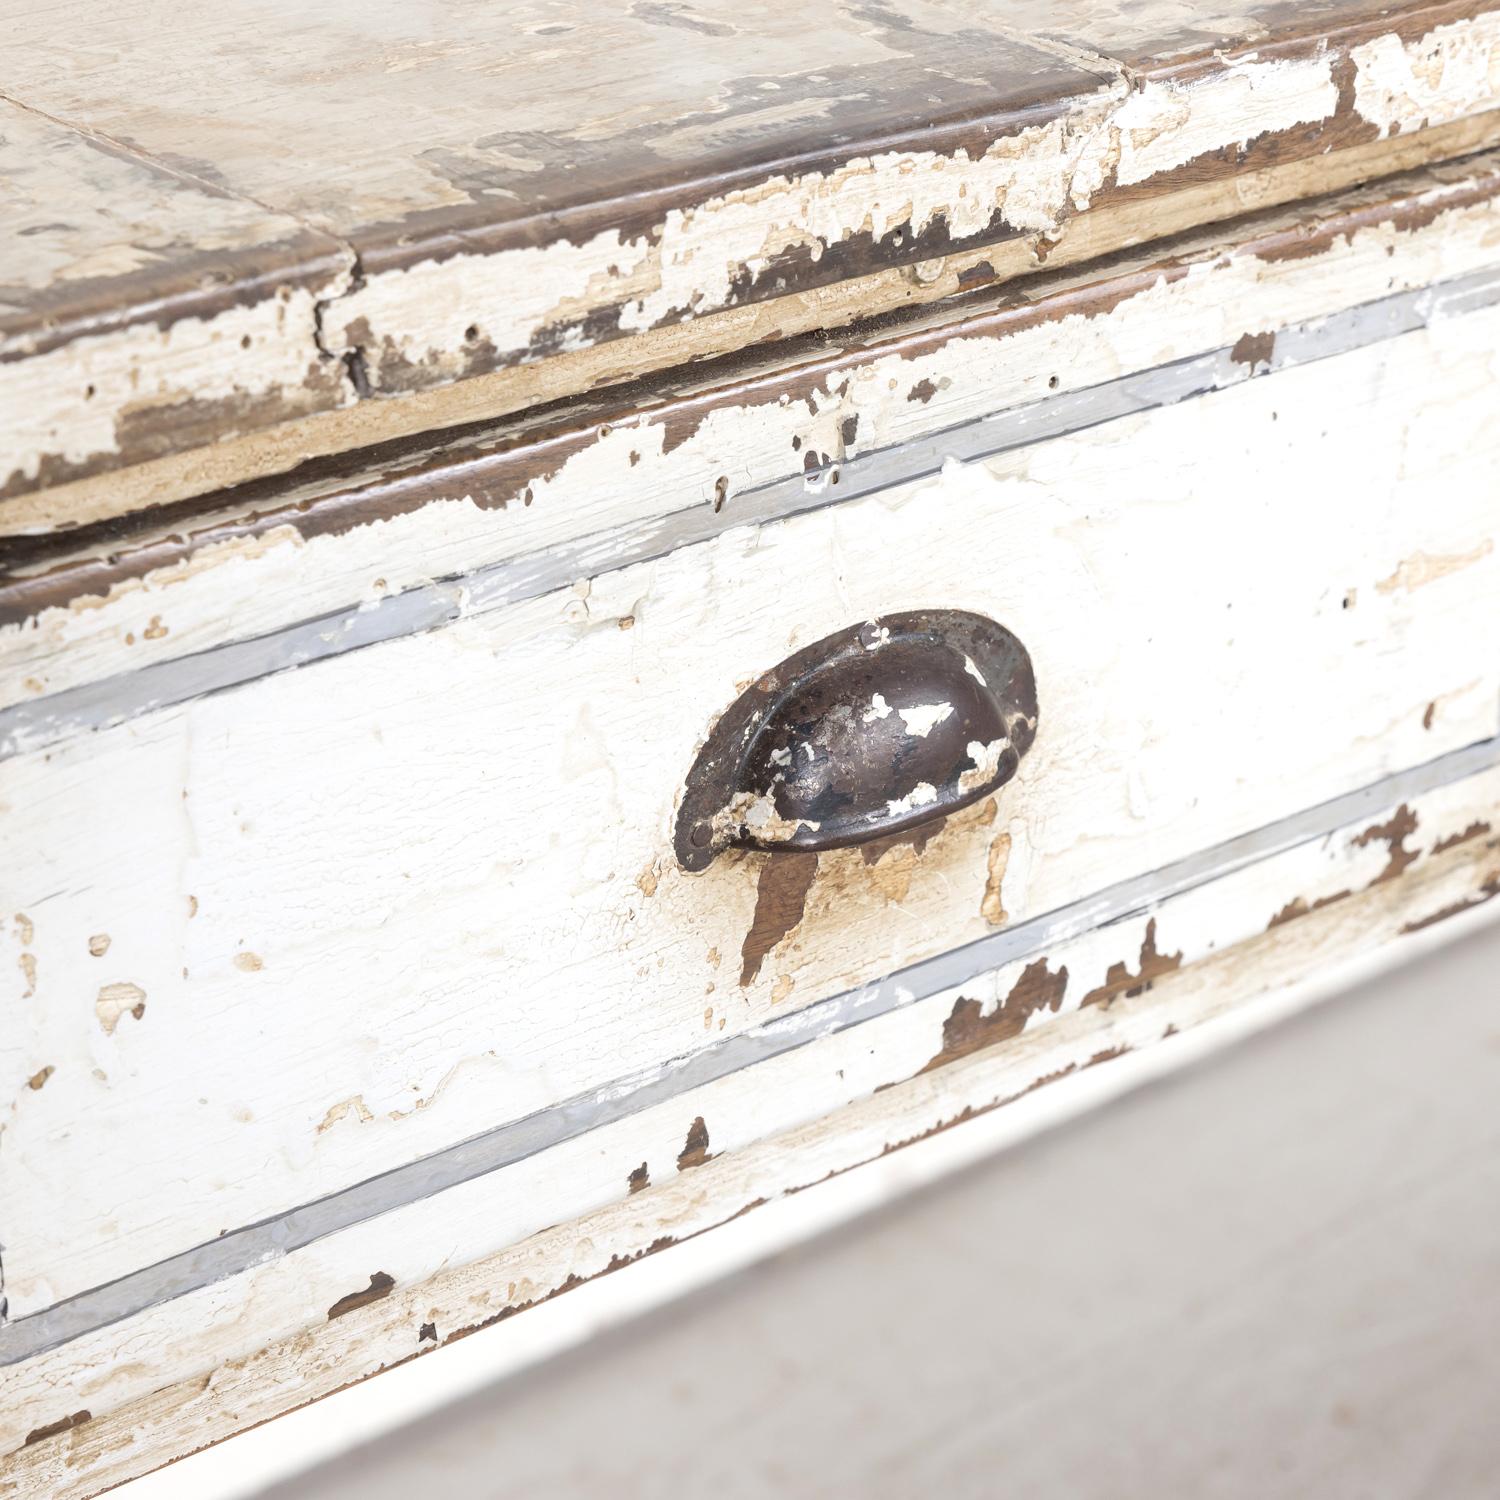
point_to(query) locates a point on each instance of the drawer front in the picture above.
(281, 939)
(1036, 1026)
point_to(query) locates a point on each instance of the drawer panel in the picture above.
(1237, 950)
(282, 938)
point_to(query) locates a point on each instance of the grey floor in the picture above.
(1277, 1274)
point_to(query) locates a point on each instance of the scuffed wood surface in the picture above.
(518, 185)
(1249, 944)
(77, 607)
(143, 310)
(373, 906)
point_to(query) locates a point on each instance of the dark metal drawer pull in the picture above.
(863, 734)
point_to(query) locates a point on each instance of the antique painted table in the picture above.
(608, 611)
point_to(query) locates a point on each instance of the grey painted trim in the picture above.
(244, 1248)
(40, 722)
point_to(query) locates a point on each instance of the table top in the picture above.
(438, 191)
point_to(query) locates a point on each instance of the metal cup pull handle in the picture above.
(865, 733)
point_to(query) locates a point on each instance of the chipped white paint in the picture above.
(1036, 179)
(78, 213)
(923, 794)
(1163, 126)
(922, 718)
(1451, 72)
(757, 247)
(879, 708)
(691, 262)
(984, 761)
(1421, 569)
(631, 474)
(419, 313)
(496, 952)
(71, 402)
(118, 999)
(188, 1372)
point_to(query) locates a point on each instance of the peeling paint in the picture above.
(695, 1150)
(728, 623)
(887, 864)
(780, 900)
(1150, 967)
(700, 257)
(462, 1296)
(1475, 830)
(380, 1286)
(1165, 125)
(992, 907)
(1445, 74)
(969, 1028)
(55, 1429)
(117, 1000)
(1300, 906)
(892, 862)
(923, 794)
(453, 522)
(1394, 832)
(922, 719)
(1487, 892)
(1254, 349)
(452, 258)
(354, 1105)
(1422, 568)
